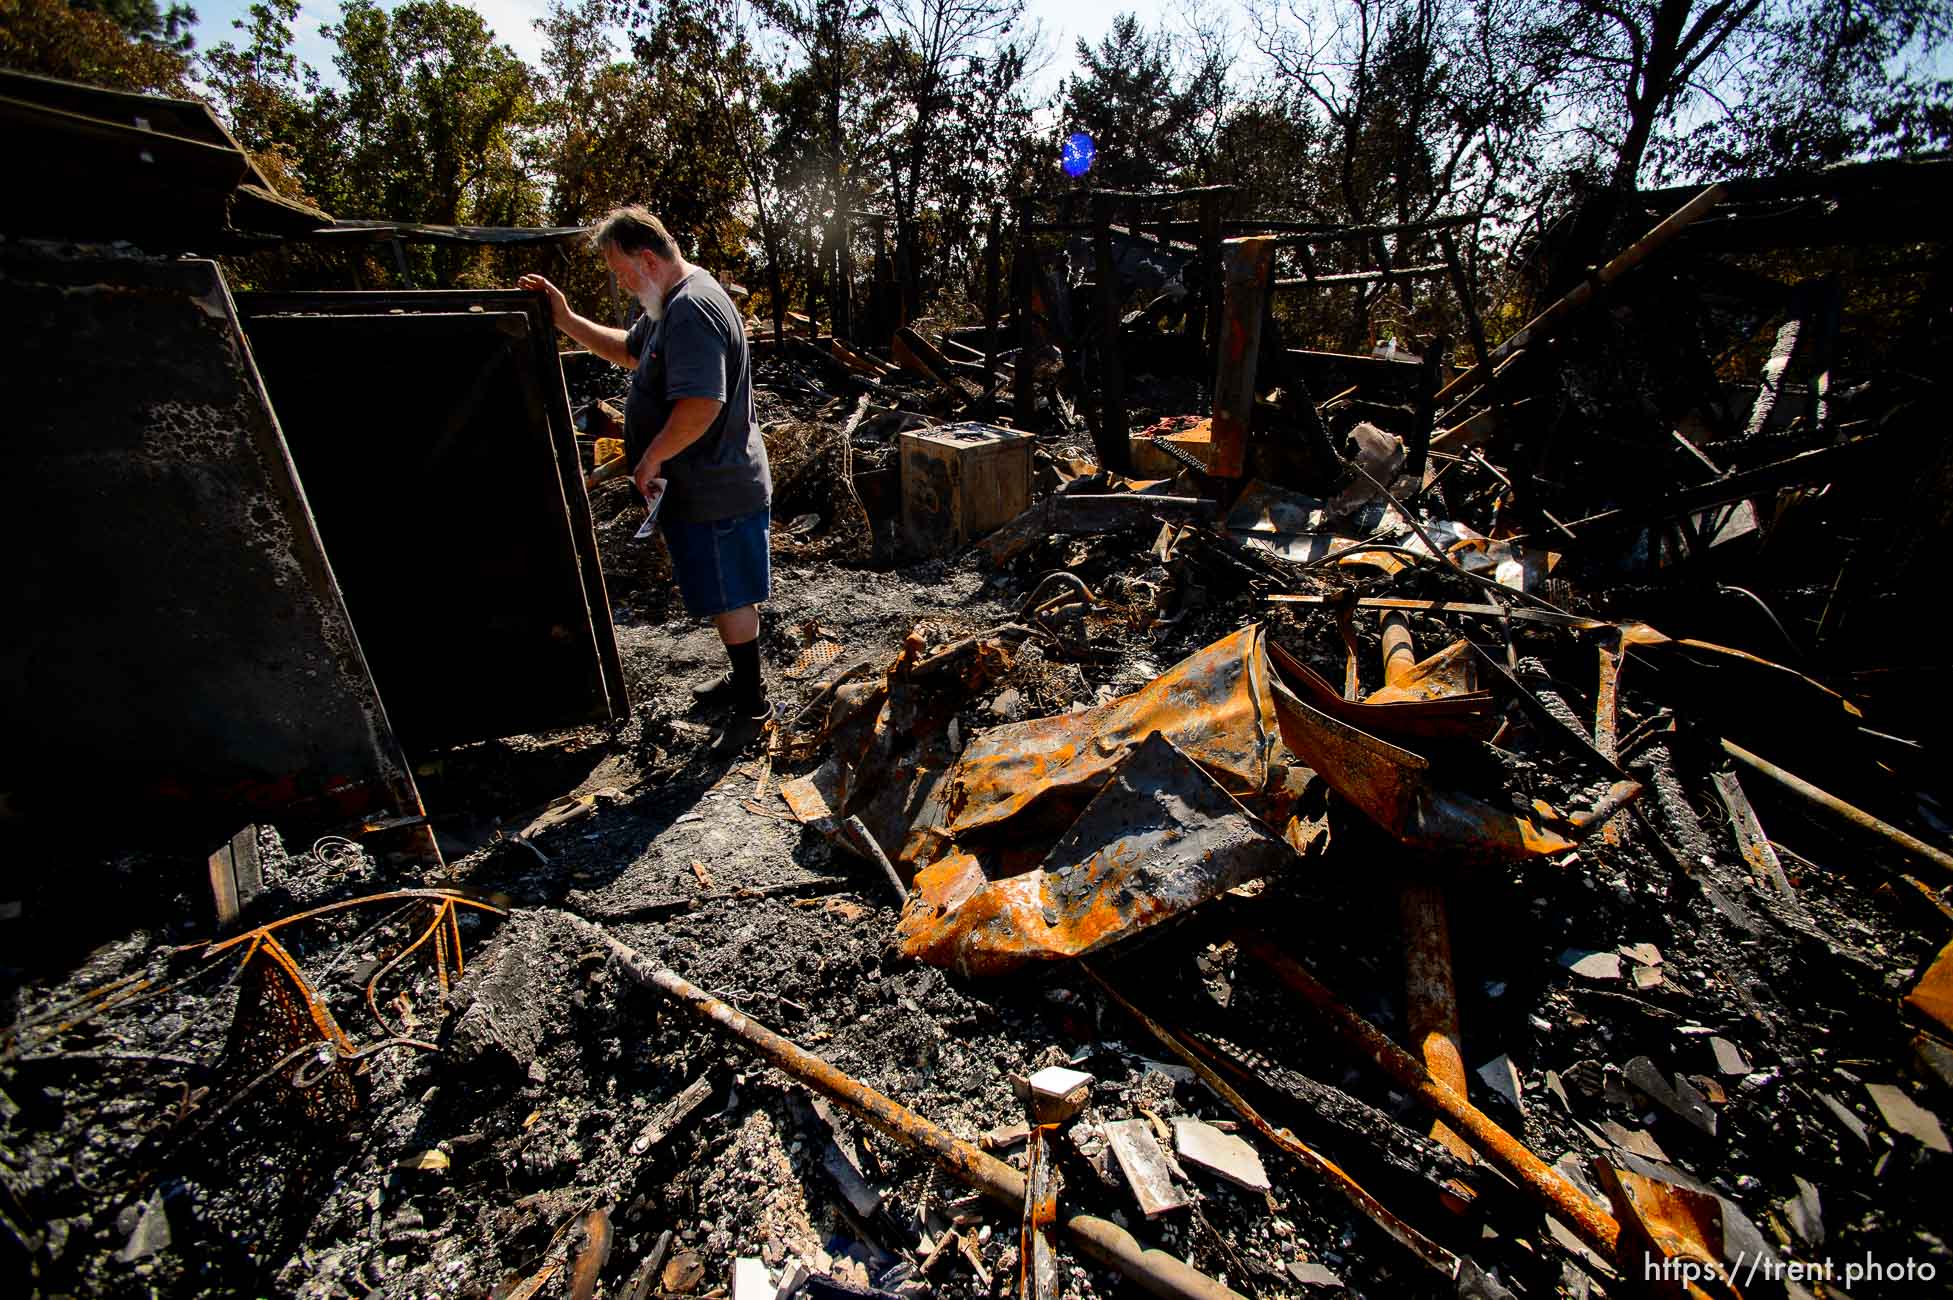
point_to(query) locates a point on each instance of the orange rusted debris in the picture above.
(1057, 836)
(887, 734)
(1430, 991)
(1159, 838)
(444, 929)
(1389, 783)
(1431, 1004)
(1672, 1236)
(1932, 996)
(1250, 270)
(1391, 786)
(1034, 845)
(1452, 712)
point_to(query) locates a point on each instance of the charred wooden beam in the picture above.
(1115, 453)
(1250, 263)
(1353, 278)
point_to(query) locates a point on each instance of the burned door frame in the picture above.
(529, 666)
(554, 398)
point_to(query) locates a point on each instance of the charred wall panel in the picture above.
(178, 643)
(427, 458)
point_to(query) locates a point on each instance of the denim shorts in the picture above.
(722, 565)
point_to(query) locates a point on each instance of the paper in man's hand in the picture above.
(651, 504)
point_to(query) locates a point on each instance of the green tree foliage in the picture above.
(960, 121)
(267, 95)
(427, 123)
(56, 39)
(144, 21)
(652, 104)
(1152, 115)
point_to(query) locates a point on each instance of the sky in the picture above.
(513, 22)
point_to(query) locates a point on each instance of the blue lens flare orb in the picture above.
(1079, 151)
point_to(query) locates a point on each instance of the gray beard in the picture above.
(653, 303)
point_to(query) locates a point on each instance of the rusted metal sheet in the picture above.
(458, 408)
(1448, 674)
(1470, 715)
(1160, 838)
(1126, 854)
(1159, 1273)
(1932, 996)
(1391, 786)
(178, 636)
(1026, 782)
(1676, 1232)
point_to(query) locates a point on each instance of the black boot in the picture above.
(717, 693)
(745, 687)
(746, 697)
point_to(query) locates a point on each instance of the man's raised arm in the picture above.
(607, 341)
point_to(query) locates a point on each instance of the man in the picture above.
(689, 420)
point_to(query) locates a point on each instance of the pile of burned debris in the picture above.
(1474, 834)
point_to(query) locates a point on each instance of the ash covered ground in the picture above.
(147, 1150)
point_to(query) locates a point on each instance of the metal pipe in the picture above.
(1824, 799)
(1399, 651)
(1156, 1271)
(866, 844)
(1431, 1006)
(1430, 991)
(1544, 1183)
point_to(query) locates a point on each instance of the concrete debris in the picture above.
(1312, 1274)
(1847, 1119)
(1677, 1098)
(1220, 1153)
(147, 1224)
(1904, 1115)
(750, 1280)
(1145, 1168)
(1729, 1060)
(1592, 965)
(1502, 1077)
(1057, 1094)
(1805, 1213)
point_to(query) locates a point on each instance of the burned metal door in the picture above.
(426, 448)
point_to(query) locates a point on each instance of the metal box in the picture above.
(960, 481)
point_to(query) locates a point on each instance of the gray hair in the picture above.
(632, 230)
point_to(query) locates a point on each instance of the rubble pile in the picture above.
(1442, 854)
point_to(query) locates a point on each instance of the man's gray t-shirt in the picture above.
(699, 350)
